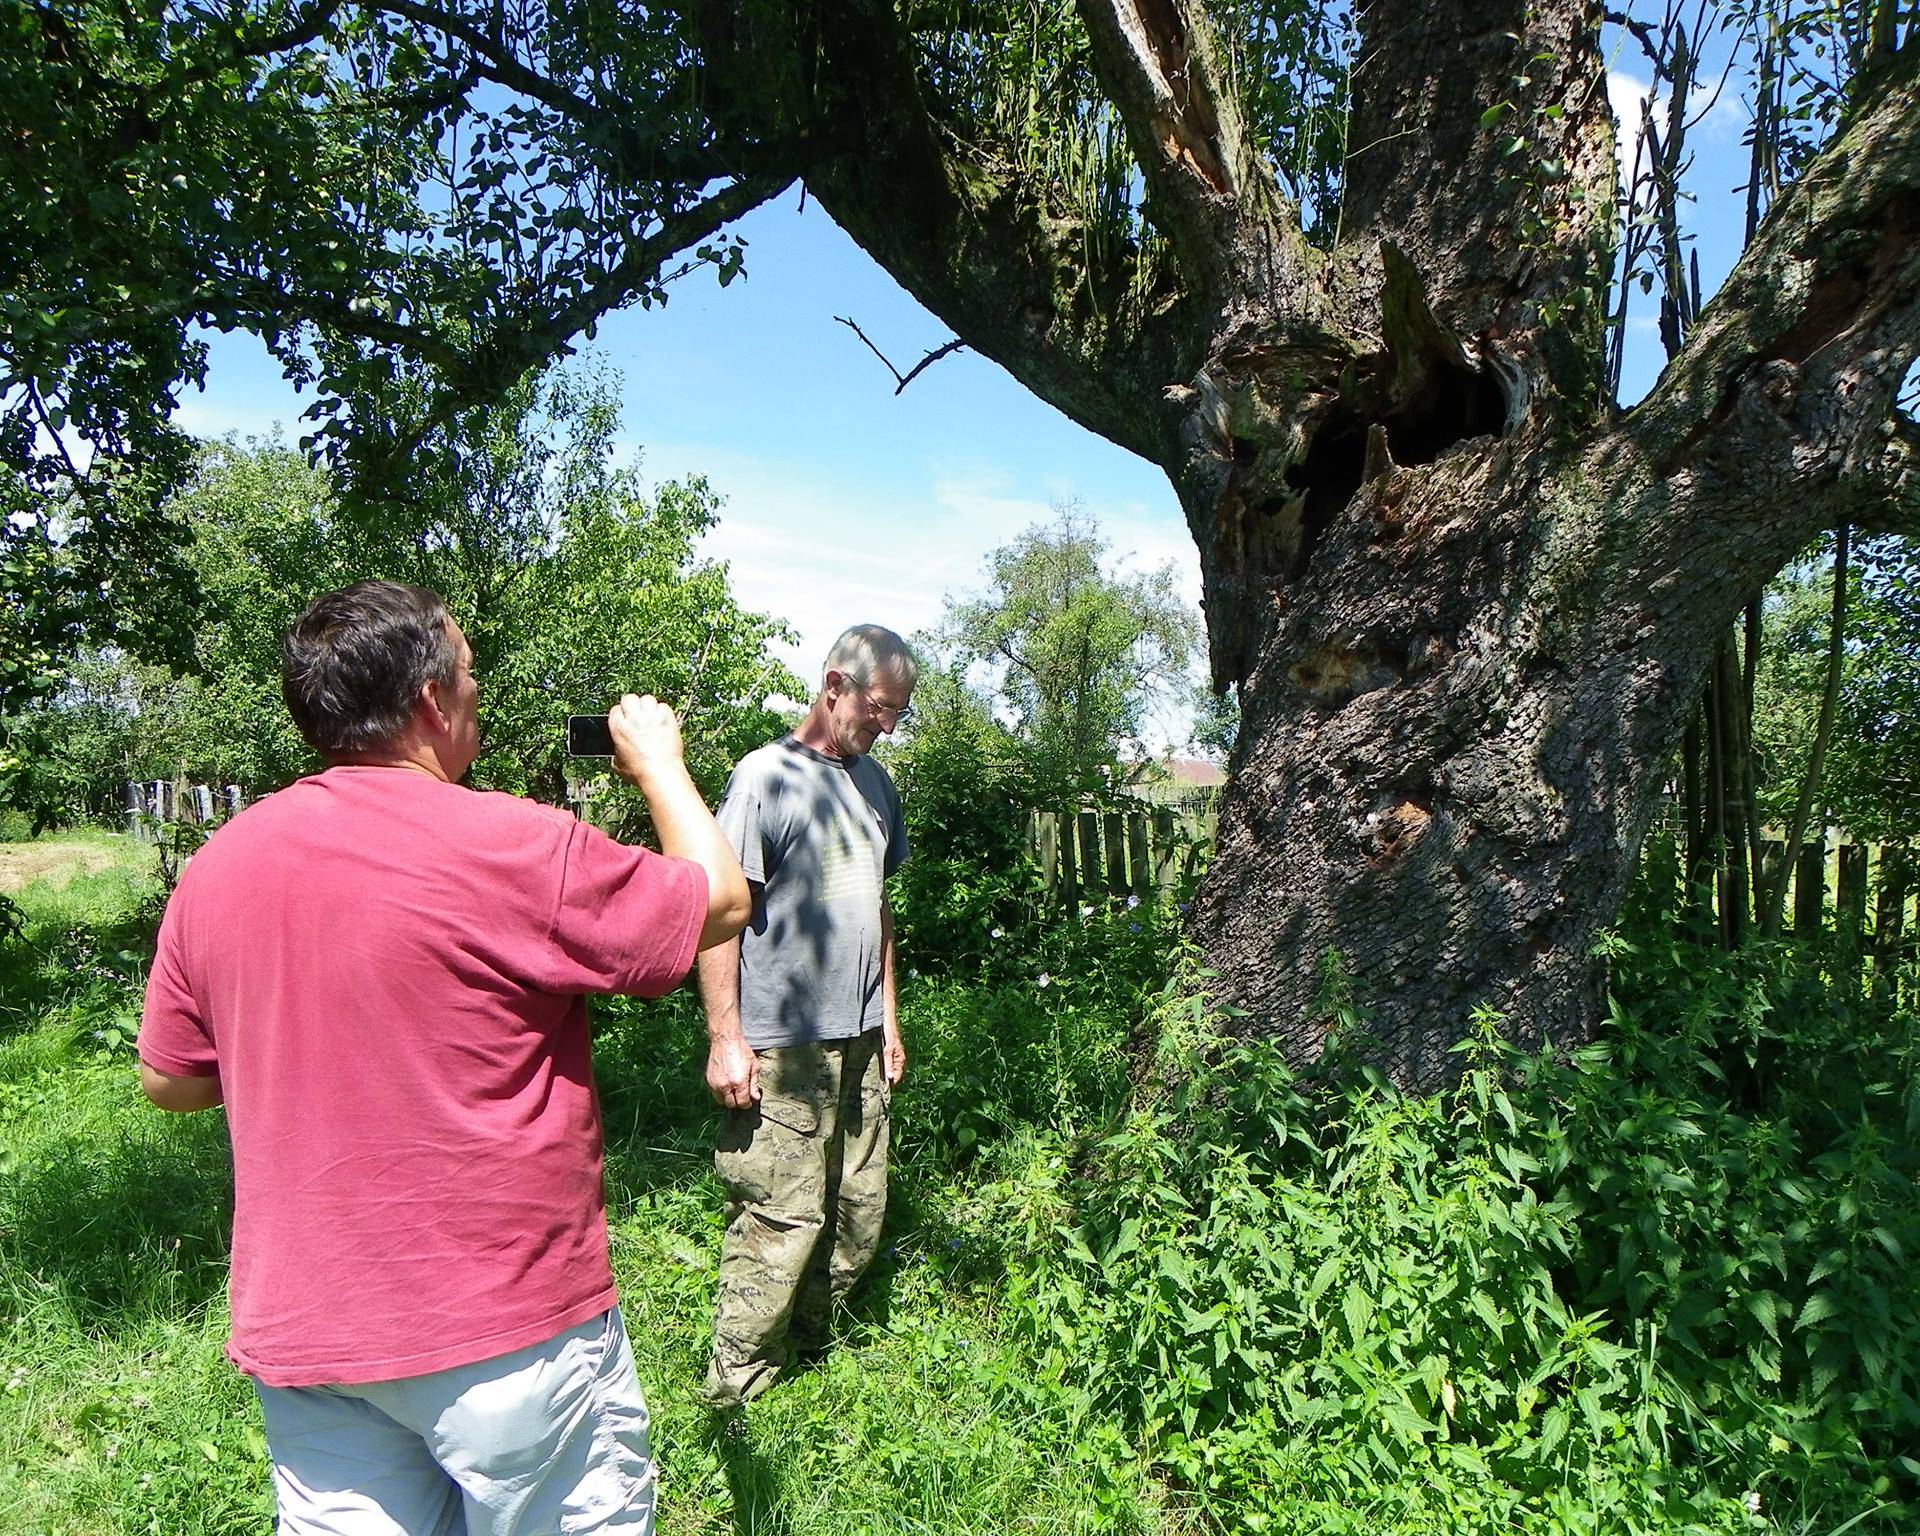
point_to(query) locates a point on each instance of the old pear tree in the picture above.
(1345, 275)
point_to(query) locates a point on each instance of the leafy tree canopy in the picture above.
(1079, 657)
(573, 584)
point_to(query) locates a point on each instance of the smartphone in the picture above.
(589, 736)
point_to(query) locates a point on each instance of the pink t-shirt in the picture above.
(386, 973)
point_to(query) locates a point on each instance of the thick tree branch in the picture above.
(1506, 208)
(1159, 62)
(1815, 329)
(1000, 261)
(1895, 474)
(642, 260)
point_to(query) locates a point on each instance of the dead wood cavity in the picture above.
(1449, 405)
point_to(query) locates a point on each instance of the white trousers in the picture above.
(549, 1439)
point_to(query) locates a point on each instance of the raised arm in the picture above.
(647, 754)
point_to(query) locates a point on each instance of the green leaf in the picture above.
(1358, 1308)
(1764, 1307)
(1553, 1428)
(1816, 1309)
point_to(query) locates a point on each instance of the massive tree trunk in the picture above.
(1467, 605)
(1469, 612)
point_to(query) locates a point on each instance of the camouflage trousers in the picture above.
(806, 1177)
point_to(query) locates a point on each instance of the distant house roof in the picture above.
(1195, 771)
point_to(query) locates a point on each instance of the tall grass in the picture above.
(119, 1414)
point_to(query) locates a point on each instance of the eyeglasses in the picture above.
(892, 714)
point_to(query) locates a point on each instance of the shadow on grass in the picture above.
(92, 966)
(649, 1063)
(124, 1232)
(752, 1481)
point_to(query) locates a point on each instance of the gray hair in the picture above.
(869, 649)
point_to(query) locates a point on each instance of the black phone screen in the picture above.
(589, 736)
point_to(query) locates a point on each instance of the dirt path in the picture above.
(23, 863)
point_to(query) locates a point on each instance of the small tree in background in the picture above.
(1079, 657)
(572, 582)
(1868, 780)
(966, 787)
(1216, 723)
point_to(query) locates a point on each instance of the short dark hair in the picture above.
(352, 665)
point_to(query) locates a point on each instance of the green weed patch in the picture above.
(1658, 1286)
(1595, 1294)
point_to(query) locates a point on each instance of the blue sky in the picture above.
(844, 502)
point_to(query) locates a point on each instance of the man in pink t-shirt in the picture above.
(381, 975)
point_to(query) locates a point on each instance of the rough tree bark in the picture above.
(1468, 610)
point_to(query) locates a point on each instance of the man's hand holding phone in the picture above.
(646, 739)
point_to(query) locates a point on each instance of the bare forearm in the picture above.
(179, 1095)
(733, 1071)
(894, 1048)
(889, 995)
(688, 831)
(719, 972)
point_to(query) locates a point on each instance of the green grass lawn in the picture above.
(119, 1413)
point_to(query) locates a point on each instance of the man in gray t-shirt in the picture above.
(804, 1036)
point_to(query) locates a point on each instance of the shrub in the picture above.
(1586, 1294)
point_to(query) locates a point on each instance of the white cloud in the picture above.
(821, 557)
(1628, 96)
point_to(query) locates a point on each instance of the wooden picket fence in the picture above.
(1864, 894)
(156, 804)
(1091, 854)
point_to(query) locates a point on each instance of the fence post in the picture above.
(1068, 891)
(1089, 852)
(1165, 875)
(1116, 840)
(1138, 880)
(1890, 910)
(1850, 901)
(1196, 833)
(1046, 841)
(1810, 890)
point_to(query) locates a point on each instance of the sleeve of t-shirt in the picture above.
(741, 819)
(627, 919)
(174, 1037)
(897, 846)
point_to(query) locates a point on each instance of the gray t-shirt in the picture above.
(816, 835)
